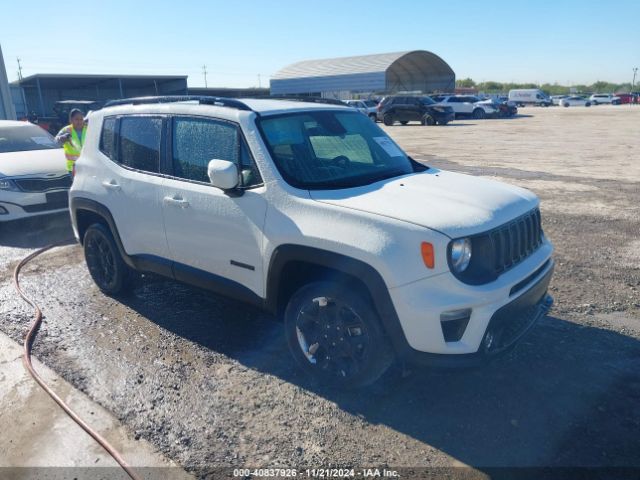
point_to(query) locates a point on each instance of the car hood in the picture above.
(452, 203)
(33, 163)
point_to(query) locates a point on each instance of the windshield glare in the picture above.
(327, 149)
(25, 137)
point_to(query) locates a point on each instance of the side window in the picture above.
(139, 140)
(197, 141)
(108, 137)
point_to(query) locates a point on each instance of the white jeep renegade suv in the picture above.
(312, 212)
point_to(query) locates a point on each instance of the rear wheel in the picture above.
(565, 104)
(335, 335)
(105, 264)
(479, 114)
(388, 119)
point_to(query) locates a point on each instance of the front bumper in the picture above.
(507, 326)
(420, 306)
(17, 205)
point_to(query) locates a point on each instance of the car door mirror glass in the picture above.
(223, 174)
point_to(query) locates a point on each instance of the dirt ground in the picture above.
(210, 383)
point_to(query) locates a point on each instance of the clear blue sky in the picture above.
(562, 41)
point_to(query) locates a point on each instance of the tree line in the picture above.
(550, 88)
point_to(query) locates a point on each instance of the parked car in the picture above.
(555, 99)
(626, 98)
(33, 172)
(368, 107)
(604, 98)
(466, 106)
(417, 108)
(529, 96)
(503, 109)
(311, 212)
(575, 101)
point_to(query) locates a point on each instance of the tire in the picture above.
(103, 259)
(388, 119)
(335, 335)
(373, 117)
(566, 105)
(404, 122)
(427, 120)
(587, 104)
(479, 114)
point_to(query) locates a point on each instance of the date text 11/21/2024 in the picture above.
(316, 473)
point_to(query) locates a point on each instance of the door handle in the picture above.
(111, 185)
(177, 201)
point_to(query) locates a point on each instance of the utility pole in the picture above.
(633, 82)
(19, 69)
(204, 72)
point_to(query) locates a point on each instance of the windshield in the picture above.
(370, 103)
(25, 137)
(326, 149)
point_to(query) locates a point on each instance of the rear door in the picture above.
(214, 237)
(130, 185)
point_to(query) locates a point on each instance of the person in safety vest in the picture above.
(72, 138)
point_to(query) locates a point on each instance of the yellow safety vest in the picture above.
(73, 147)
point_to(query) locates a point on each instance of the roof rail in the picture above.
(328, 101)
(201, 99)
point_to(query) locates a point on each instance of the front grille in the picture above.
(515, 241)
(44, 184)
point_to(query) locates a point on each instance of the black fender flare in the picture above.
(365, 273)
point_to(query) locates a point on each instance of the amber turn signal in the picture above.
(427, 254)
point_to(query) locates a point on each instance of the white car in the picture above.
(466, 105)
(311, 212)
(575, 101)
(33, 174)
(604, 98)
(555, 99)
(368, 107)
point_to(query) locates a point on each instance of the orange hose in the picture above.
(28, 343)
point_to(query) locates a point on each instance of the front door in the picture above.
(213, 236)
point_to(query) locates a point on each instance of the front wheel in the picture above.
(335, 335)
(105, 264)
(373, 117)
(428, 120)
(479, 114)
(387, 120)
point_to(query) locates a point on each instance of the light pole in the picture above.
(633, 83)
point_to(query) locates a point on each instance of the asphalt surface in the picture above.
(211, 383)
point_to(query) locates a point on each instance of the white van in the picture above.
(531, 96)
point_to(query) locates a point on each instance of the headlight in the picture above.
(460, 254)
(6, 184)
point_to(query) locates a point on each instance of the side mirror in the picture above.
(223, 174)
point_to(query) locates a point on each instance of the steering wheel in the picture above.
(341, 161)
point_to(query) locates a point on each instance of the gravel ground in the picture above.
(210, 382)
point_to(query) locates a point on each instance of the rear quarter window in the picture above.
(108, 137)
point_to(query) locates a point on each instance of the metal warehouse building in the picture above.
(39, 93)
(416, 70)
